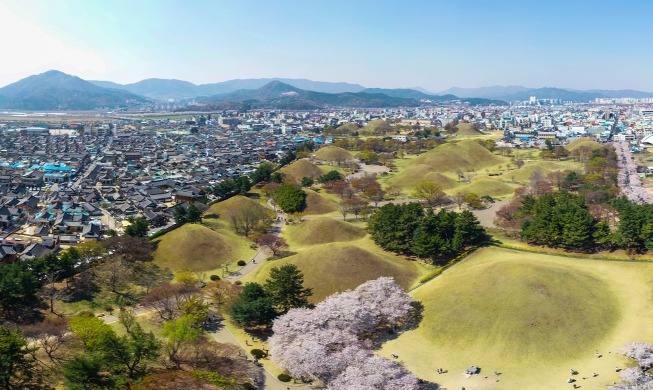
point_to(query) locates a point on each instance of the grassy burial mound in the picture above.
(318, 204)
(195, 247)
(583, 142)
(302, 168)
(347, 128)
(524, 174)
(323, 231)
(467, 129)
(333, 154)
(530, 316)
(237, 202)
(378, 127)
(335, 267)
(465, 155)
(494, 188)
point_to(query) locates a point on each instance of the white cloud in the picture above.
(27, 49)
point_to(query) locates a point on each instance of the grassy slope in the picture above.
(327, 153)
(319, 203)
(302, 168)
(467, 129)
(441, 163)
(221, 208)
(529, 316)
(575, 144)
(323, 231)
(492, 187)
(197, 247)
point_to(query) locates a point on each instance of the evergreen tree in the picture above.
(286, 288)
(180, 214)
(16, 364)
(193, 214)
(253, 307)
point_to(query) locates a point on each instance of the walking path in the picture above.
(628, 179)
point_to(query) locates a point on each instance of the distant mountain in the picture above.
(55, 90)
(419, 95)
(621, 93)
(494, 92)
(284, 96)
(523, 93)
(164, 89)
(280, 95)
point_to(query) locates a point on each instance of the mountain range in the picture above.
(54, 90)
(520, 93)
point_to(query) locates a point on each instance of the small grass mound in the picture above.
(347, 128)
(324, 231)
(235, 203)
(302, 168)
(333, 268)
(378, 126)
(333, 153)
(490, 187)
(195, 247)
(415, 174)
(317, 204)
(467, 129)
(577, 143)
(525, 173)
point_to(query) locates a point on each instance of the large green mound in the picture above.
(347, 128)
(528, 310)
(467, 129)
(235, 203)
(333, 153)
(586, 142)
(333, 268)
(324, 231)
(488, 187)
(195, 248)
(302, 168)
(465, 155)
(317, 204)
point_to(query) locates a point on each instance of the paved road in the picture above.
(628, 179)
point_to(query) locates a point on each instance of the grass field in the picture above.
(531, 317)
(484, 186)
(323, 231)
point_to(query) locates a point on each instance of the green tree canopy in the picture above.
(286, 288)
(289, 198)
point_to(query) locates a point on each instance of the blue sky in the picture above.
(392, 44)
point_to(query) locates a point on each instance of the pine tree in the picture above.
(286, 288)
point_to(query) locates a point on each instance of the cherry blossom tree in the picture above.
(637, 378)
(375, 373)
(330, 343)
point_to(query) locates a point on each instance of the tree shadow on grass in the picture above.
(413, 320)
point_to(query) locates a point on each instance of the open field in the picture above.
(335, 267)
(323, 231)
(531, 317)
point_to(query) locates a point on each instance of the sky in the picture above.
(434, 44)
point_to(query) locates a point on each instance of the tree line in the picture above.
(409, 229)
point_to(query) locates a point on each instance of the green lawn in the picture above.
(529, 316)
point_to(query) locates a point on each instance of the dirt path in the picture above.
(487, 216)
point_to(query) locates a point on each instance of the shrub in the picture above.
(214, 278)
(284, 377)
(238, 282)
(241, 263)
(258, 353)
